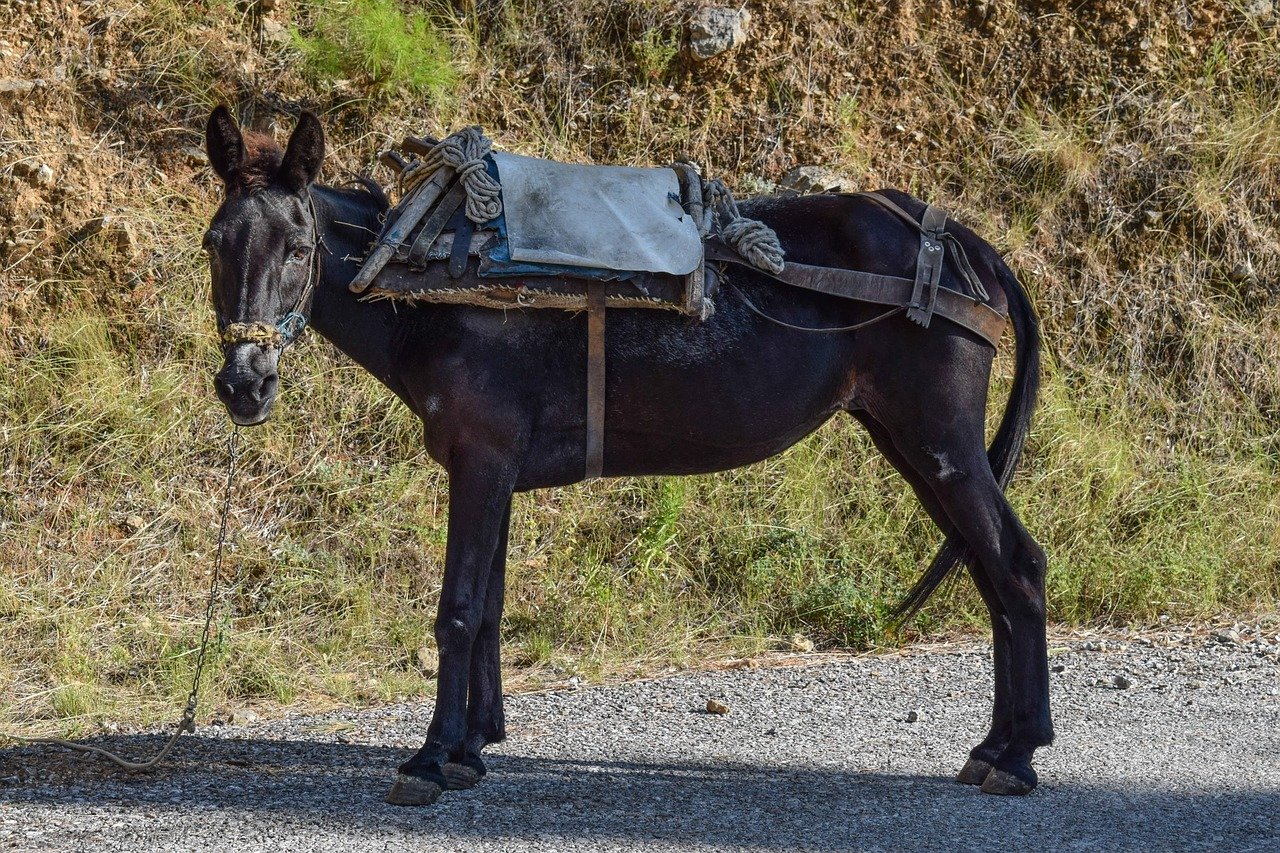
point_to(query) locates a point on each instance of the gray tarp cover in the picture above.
(605, 217)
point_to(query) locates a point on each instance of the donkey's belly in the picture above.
(692, 440)
(630, 453)
(699, 413)
(682, 397)
(714, 421)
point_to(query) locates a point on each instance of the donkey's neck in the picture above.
(367, 332)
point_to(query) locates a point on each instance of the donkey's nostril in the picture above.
(223, 388)
(266, 387)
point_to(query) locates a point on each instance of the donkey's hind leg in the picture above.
(983, 756)
(960, 477)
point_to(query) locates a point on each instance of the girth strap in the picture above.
(877, 289)
(595, 380)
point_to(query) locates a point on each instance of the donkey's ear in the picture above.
(223, 143)
(304, 155)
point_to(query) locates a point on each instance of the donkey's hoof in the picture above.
(413, 791)
(974, 772)
(460, 776)
(1003, 782)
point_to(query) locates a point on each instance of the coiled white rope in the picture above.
(465, 151)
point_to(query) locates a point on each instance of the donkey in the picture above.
(501, 396)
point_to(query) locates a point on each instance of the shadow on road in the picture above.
(767, 808)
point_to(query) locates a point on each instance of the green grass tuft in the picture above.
(378, 41)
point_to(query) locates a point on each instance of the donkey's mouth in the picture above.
(250, 420)
(246, 409)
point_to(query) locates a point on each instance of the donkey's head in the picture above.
(262, 247)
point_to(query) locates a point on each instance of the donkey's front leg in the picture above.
(485, 719)
(480, 487)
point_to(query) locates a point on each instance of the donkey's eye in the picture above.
(297, 255)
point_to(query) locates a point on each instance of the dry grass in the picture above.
(1137, 212)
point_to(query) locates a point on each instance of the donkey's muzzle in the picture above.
(247, 384)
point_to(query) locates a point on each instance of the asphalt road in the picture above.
(1169, 741)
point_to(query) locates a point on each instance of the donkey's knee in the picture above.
(455, 633)
(1022, 592)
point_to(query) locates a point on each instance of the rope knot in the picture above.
(751, 238)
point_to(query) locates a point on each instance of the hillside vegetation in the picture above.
(1123, 155)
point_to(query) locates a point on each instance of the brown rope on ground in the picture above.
(188, 721)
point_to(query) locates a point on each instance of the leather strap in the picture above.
(928, 266)
(434, 224)
(461, 246)
(888, 205)
(595, 380)
(957, 248)
(415, 206)
(877, 289)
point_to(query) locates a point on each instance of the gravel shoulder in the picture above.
(1165, 742)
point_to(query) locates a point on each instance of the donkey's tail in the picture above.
(1007, 447)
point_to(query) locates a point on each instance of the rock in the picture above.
(90, 228)
(12, 86)
(118, 229)
(1195, 684)
(801, 643)
(1241, 273)
(811, 179)
(716, 707)
(426, 660)
(273, 30)
(714, 30)
(1058, 667)
(914, 716)
(1229, 637)
(126, 237)
(243, 717)
(1120, 682)
(36, 174)
(1259, 8)
(135, 523)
